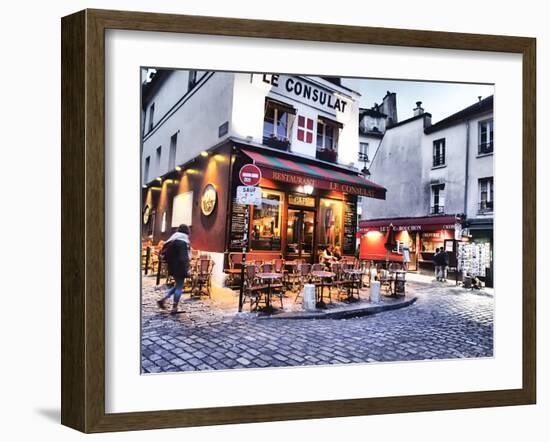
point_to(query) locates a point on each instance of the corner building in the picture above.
(200, 128)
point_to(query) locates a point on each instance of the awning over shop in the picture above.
(424, 224)
(300, 172)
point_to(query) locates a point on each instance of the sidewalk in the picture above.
(224, 302)
(429, 279)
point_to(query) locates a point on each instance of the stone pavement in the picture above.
(445, 322)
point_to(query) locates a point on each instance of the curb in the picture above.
(343, 314)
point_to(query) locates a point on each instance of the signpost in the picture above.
(248, 194)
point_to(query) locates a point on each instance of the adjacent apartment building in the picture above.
(440, 185)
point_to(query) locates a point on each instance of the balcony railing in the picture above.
(439, 160)
(281, 143)
(437, 210)
(485, 207)
(329, 155)
(485, 148)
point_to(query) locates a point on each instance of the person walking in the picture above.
(444, 264)
(437, 264)
(176, 252)
(406, 257)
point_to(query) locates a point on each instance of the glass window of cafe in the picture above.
(266, 222)
(330, 222)
(430, 241)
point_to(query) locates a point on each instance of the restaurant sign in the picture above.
(301, 200)
(306, 91)
(327, 184)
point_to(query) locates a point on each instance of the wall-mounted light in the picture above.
(178, 168)
(204, 153)
(308, 189)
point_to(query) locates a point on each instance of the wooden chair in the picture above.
(252, 287)
(203, 275)
(304, 277)
(293, 277)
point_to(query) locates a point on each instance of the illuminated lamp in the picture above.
(308, 189)
(204, 153)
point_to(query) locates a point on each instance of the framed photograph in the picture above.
(267, 221)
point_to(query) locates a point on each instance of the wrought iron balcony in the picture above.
(329, 155)
(438, 160)
(281, 143)
(485, 148)
(485, 207)
(437, 210)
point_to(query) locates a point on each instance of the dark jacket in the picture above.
(177, 258)
(441, 259)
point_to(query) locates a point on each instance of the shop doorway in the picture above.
(300, 234)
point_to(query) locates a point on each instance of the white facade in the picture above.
(238, 100)
(404, 164)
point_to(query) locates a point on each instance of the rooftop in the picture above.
(481, 106)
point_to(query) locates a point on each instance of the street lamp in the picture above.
(364, 157)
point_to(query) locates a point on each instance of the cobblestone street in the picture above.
(445, 322)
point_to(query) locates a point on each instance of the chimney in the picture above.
(389, 107)
(418, 110)
(479, 98)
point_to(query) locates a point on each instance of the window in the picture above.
(485, 145)
(305, 129)
(330, 222)
(151, 116)
(486, 195)
(172, 153)
(266, 222)
(192, 80)
(146, 169)
(364, 152)
(438, 199)
(159, 152)
(278, 121)
(327, 140)
(439, 152)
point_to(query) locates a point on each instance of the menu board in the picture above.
(350, 227)
(236, 234)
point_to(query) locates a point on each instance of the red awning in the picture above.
(296, 171)
(425, 224)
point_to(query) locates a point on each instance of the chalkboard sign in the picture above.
(237, 226)
(350, 227)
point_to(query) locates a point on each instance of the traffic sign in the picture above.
(249, 195)
(250, 175)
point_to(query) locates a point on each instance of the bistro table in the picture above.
(355, 279)
(269, 277)
(322, 275)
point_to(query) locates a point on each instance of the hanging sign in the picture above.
(249, 195)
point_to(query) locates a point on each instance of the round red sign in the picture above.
(250, 175)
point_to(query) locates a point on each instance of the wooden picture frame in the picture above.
(83, 216)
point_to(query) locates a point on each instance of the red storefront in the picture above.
(422, 235)
(307, 204)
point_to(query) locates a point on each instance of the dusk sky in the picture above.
(439, 99)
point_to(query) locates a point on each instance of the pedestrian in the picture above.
(176, 252)
(406, 257)
(444, 264)
(437, 264)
